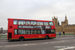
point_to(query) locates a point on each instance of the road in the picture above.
(59, 43)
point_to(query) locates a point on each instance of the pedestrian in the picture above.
(64, 33)
(59, 33)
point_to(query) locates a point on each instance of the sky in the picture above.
(36, 9)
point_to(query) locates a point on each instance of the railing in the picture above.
(2, 36)
(65, 34)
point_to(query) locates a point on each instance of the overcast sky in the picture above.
(36, 9)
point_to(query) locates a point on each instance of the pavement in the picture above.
(58, 43)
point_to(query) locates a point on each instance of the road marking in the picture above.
(65, 38)
(36, 43)
(20, 45)
(67, 48)
(32, 44)
(26, 44)
(46, 42)
(57, 41)
(14, 45)
(62, 41)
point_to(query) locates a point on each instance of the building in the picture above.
(64, 26)
(2, 31)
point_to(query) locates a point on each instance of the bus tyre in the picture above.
(21, 38)
(46, 37)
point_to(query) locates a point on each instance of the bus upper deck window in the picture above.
(21, 22)
(33, 22)
(39, 23)
(15, 22)
(27, 22)
(45, 23)
(51, 23)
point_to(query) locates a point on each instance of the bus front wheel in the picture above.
(21, 38)
(46, 37)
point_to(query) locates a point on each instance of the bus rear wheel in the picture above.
(46, 37)
(21, 38)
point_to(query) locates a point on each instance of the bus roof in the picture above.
(28, 19)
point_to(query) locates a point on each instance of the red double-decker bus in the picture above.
(30, 29)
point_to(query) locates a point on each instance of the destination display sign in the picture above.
(48, 26)
(29, 26)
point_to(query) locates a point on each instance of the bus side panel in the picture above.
(53, 35)
(9, 34)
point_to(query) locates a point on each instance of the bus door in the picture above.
(43, 31)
